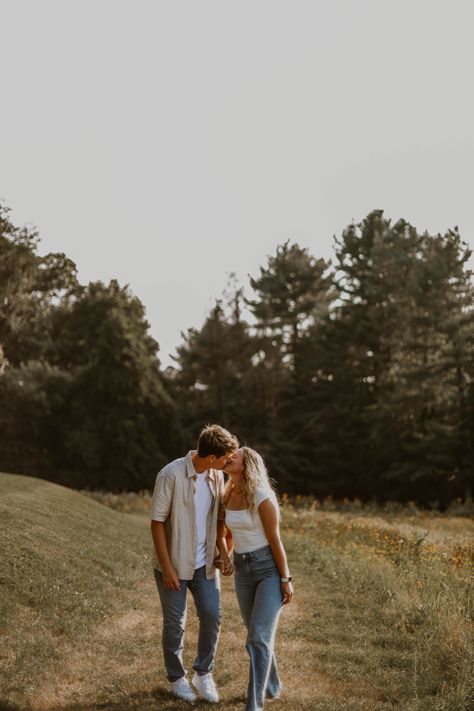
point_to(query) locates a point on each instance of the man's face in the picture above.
(235, 463)
(220, 462)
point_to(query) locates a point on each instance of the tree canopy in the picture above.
(353, 377)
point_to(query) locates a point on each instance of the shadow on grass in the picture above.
(160, 699)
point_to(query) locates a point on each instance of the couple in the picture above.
(192, 514)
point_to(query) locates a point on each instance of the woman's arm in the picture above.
(271, 525)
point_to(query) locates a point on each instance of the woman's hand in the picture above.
(287, 592)
(224, 546)
(225, 565)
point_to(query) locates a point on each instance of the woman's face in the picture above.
(235, 463)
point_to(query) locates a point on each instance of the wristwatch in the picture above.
(286, 580)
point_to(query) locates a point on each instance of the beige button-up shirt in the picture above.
(173, 504)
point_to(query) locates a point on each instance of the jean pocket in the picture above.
(265, 568)
(264, 557)
(238, 564)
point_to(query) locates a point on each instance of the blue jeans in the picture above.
(258, 589)
(206, 594)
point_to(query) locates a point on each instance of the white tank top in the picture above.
(246, 525)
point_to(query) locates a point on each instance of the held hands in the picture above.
(225, 565)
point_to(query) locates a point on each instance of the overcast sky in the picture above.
(169, 143)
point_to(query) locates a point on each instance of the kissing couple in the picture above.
(196, 521)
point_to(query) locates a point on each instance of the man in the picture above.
(184, 517)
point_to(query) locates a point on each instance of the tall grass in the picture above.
(381, 621)
(402, 606)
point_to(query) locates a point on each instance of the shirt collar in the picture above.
(190, 470)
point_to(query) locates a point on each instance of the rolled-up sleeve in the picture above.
(162, 496)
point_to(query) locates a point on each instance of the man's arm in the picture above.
(160, 510)
(223, 563)
(224, 540)
(170, 577)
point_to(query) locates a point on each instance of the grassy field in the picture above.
(382, 616)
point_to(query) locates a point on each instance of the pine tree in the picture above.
(211, 377)
(292, 295)
(431, 372)
(121, 425)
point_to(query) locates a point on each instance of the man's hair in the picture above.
(215, 440)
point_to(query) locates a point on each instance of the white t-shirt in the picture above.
(202, 504)
(246, 526)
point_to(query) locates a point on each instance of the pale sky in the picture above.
(167, 144)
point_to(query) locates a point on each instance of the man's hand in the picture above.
(225, 565)
(170, 579)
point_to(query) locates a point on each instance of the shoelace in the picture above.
(210, 683)
(183, 685)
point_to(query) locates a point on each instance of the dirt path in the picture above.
(121, 666)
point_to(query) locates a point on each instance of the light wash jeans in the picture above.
(206, 594)
(258, 589)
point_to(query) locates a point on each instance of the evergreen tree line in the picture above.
(353, 377)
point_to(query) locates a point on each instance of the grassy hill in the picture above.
(381, 621)
(69, 567)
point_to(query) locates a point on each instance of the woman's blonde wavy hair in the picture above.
(255, 474)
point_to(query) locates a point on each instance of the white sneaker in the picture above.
(206, 687)
(182, 689)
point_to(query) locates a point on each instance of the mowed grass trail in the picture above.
(382, 616)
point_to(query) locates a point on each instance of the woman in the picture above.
(262, 579)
